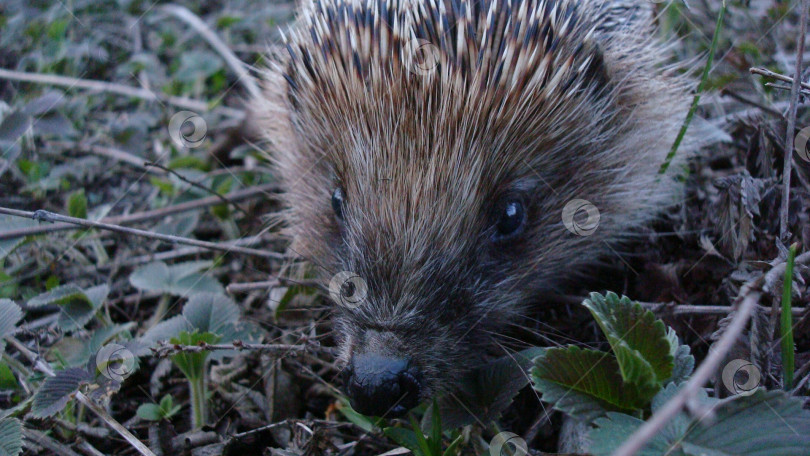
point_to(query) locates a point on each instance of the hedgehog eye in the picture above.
(338, 200)
(511, 218)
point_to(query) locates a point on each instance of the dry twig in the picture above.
(46, 216)
(104, 86)
(251, 192)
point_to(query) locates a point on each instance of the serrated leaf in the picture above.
(683, 364)
(614, 428)
(59, 295)
(586, 383)
(641, 342)
(77, 306)
(782, 426)
(179, 279)
(56, 391)
(9, 223)
(11, 437)
(486, 392)
(10, 314)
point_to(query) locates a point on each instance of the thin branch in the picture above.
(186, 251)
(165, 349)
(119, 89)
(45, 216)
(46, 369)
(208, 35)
(109, 152)
(784, 234)
(247, 287)
(777, 76)
(746, 302)
(265, 189)
(198, 185)
(788, 88)
(686, 309)
(39, 438)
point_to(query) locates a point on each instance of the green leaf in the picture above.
(586, 383)
(179, 279)
(486, 391)
(613, 429)
(76, 313)
(641, 343)
(77, 204)
(7, 379)
(193, 363)
(422, 442)
(9, 223)
(786, 323)
(683, 365)
(781, 426)
(11, 437)
(10, 314)
(77, 306)
(365, 423)
(56, 391)
(58, 295)
(206, 312)
(149, 412)
(403, 437)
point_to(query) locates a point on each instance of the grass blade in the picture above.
(786, 323)
(700, 89)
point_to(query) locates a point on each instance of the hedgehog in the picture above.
(439, 156)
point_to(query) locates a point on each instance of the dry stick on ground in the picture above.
(120, 89)
(46, 216)
(746, 301)
(165, 349)
(39, 438)
(247, 287)
(265, 189)
(208, 35)
(784, 235)
(109, 152)
(198, 185)
(46, 369)
(780, 77)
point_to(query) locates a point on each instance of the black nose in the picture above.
(381, 386)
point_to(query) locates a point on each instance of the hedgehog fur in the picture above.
(428, 114)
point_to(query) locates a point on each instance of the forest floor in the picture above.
(96, 98)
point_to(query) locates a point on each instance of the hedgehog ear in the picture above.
(624, 16)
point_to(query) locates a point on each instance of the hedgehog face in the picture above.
(433, 199)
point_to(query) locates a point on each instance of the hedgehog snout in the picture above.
(382, 385)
